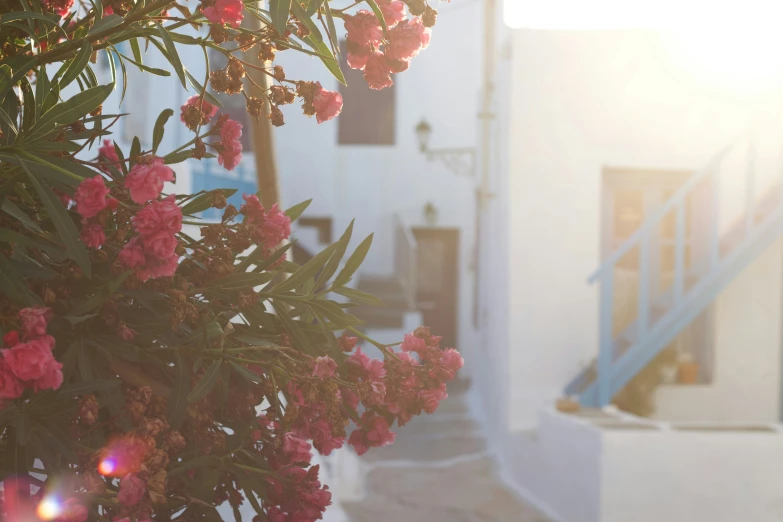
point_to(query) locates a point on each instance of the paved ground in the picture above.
(438, 471)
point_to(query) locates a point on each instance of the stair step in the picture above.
(381, 317)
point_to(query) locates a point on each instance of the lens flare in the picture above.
(107, 466)
(49, 508)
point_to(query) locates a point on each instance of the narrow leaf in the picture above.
(279, 10)
(157, 132)
(297, 210)
(173, 55)
(62, 222)
(353, 262)
(77, 65)
(178, 402)
(207, 382)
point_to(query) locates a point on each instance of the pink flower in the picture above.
(397, 66)
(328, 104)
(159, 215)
(374, 433)
(363, 28)
(393, 11)
(207, 109)
(145, 180)
(231, 145)
(347, 343)
(225, 11)
(92, 235)
(132, 490)
(132, 254)
(156, 267)
(411, 343)
(107, 150)
(407, 39)
(296, 449)
(323, 440)
(357, 55)
(271, 227)
(324, 367)
(432, 397)
(160, 244)
(29, 361)
(52, 377)
(61, 7)
(10, 385)
(34, 321)
(372, 369)
(91, 197)
(125, 332)
(11, 338)
(451, 360)
(72, 511)
(377, 72)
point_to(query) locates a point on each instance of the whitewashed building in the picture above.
(635, 255)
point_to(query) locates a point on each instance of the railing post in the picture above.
(679, 254)
(714, 220)
(750, 185)
(643, 308)
(606, 337)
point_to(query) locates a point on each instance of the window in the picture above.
(368, 116)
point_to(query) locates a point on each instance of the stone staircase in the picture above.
(438, 470)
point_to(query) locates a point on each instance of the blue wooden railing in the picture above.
(722, 248)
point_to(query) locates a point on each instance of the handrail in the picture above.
(406, 258)
(667, 206)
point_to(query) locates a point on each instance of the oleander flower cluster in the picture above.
(156, 365)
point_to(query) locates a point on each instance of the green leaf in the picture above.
(82, 387)
(378, 13)
(334, 313)
(306, 271)
(353, 262)
(207, 382)
(135, 151)
(178, 157)
(5, 80)
(71, 110)
(326, 56)
(12, 210)
(331, 30)
(299, 338)
(160, 123)
(297, 210)
(278, 10)
(334, 261)
(298, 11)
(100, 296)
(134, 44)
(313, 6)
(204, 201)
(359, 297)
(145, 68)
(178, 401)
(12, 237)
(206, 461)
(105, 23)
(172, 55)
(77, 65)
(245, 373)
(28, 105)
(14, 286)
(63, 223)
(243, 280)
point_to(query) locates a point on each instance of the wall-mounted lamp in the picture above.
(460, 160)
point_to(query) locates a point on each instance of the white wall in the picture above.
(675, 476)
(582, 101)
(372, 183)
(746, 381)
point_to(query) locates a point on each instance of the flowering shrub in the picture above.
(146, 374)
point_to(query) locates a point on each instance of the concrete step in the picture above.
(416, 449)
(429, 427)
(469, 491)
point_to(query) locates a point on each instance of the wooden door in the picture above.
(437, 280)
